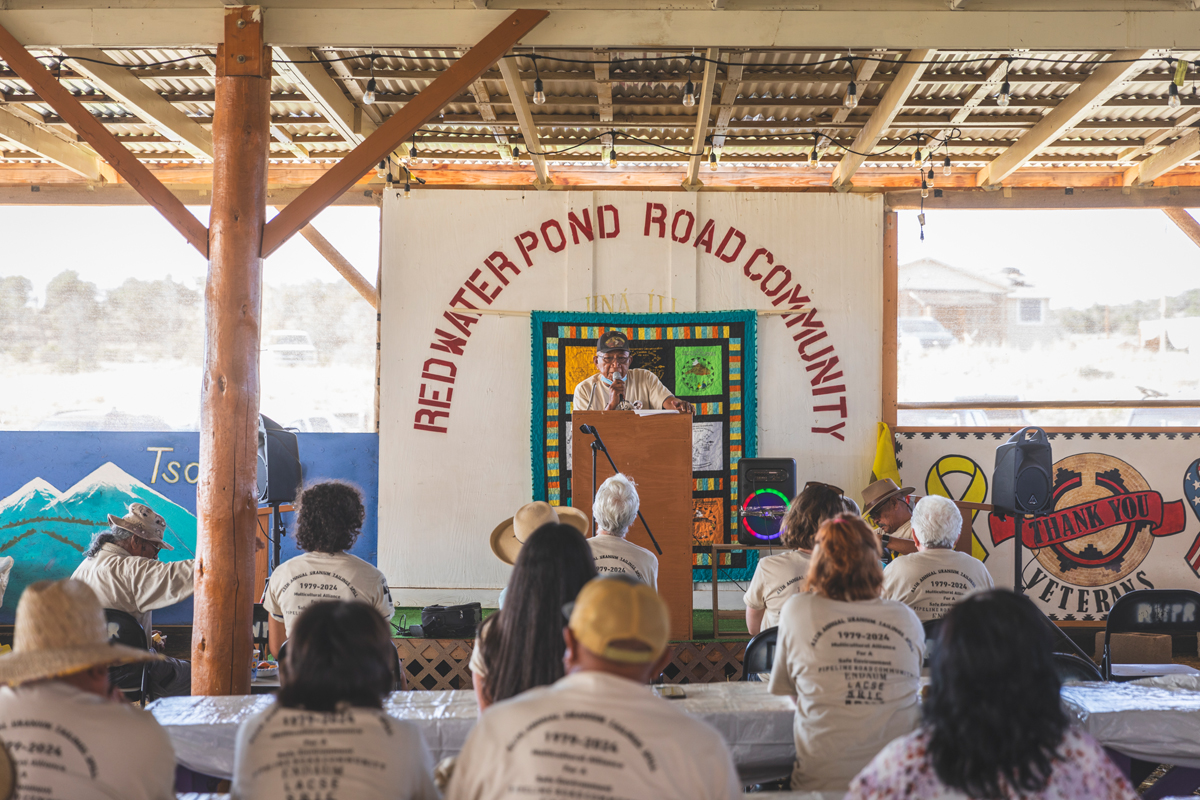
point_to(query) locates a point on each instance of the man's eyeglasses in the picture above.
(826, 485)
(610, 359)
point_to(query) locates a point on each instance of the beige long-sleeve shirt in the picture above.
(134, 584)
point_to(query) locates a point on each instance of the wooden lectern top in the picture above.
(655, 451)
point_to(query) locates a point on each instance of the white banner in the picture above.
(455, 385)
(1125, 510)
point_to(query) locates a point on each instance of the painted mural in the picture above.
(1124, 514)
(57, 488)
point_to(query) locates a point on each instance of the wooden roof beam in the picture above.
(881, 119)
(862, 76)
(520, 101)
(398, 128)
(483, 101)
(342, 113)
(692, 181)
(67, 155)
(1106, 80)
(1186, 222)
(734, 71)
(138, 98)
(1183, 149)
(102, 141)
(288, 141)
(1188, 120)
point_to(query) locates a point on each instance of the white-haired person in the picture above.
(931, 580)
(613, 512)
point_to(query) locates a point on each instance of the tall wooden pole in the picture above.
(226, 507)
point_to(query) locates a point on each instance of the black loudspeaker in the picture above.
(279, 472)
(765, 488)
(1024, 474)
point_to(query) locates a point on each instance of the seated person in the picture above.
(6, 565)
(326, 734)
(72, 736)
(631, 743)
(121, 566)
(778, 577)
(993, 680)
(521, 646)
(616, 387)
(614, 510)
(851, 700)
(885, 504)
(329, 517)
(937, 576)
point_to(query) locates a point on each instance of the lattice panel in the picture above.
(437, 664)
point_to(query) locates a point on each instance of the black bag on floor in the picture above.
(451, 622)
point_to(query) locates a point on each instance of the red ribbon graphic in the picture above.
(1066, 524)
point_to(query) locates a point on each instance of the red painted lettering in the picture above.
(578, 227)
(832, 431)
(754, 276)
(459, 300)
(605, 231)
(461, 321)
(449, 342)
(526, 241)
(434, 398)
(552, 225)
(705, 238)
(481, 287)
(840, 407)
(729, 259)
(429, 374)
(431, 417)
(785, 279)
(656, 214)
(823, 368)
(691, 223)
(498, 261)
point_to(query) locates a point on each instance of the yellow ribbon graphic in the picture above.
(976, 491)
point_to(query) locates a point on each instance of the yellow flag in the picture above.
(885, 457)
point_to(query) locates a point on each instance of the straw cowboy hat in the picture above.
(880, 492)
(60, 630)
(511, 534)
(143, 523)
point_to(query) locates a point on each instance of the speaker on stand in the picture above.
(279, 474)
(765, 488)
(1022, 483)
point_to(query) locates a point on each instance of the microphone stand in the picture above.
(598, 444)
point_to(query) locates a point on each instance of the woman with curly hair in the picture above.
(778, 577)
(994, 727)
(328, 518)
(850, 661)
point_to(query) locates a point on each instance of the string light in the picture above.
(1005, 89)
(382, 169)
(689, 93)
(612, 157)
(946, 166)
(924, 188)
(929, 177)
(516, 154)
(539, 90)
(407, 189)
(369, 94)
(713, 158)
(413, 158)
(851, 98)
(814, 158)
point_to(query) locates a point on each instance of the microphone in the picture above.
(587, 429)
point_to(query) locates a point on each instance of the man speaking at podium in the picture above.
(616, 387)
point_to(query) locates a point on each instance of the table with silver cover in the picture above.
(756, 725)
(1156, 719)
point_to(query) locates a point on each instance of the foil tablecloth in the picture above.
(1156, 719)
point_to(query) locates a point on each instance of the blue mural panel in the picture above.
(57, 488)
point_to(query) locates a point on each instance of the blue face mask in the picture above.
(609, 381)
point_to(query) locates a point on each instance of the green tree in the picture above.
(18, 329)
(70, 318)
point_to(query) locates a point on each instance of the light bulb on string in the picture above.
(929, 177)
(946, 166)
(814, 158)
(369, 94)
(382, 169)
(713, 159)
(851, 98)
(689, 93)
(407, 190)
(516, 154)
(612, 157)
(413, 158)
(924, 188)
(1173, 99)
(539, 92)
(1005, 89)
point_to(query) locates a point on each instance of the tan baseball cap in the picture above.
(618, 609)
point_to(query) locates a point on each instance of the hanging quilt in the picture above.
(705, 358)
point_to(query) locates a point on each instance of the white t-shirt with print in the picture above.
(355, 754)
(593, 735)
(616, 555)
(68, 744)
(309, 577)
(931, 581)
(776, 578)
(854, 669)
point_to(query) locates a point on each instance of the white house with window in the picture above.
(976, 307)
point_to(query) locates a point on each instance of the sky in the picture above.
(1079, 258)
(107, 244)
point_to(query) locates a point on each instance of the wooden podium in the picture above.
(656, 452)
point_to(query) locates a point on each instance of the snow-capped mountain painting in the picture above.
(46, 531)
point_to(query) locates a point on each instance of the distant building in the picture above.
(998, 309)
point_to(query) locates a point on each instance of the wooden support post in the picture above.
(891, 275)
(1186, 222)
(226, 507)
(341, 264)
